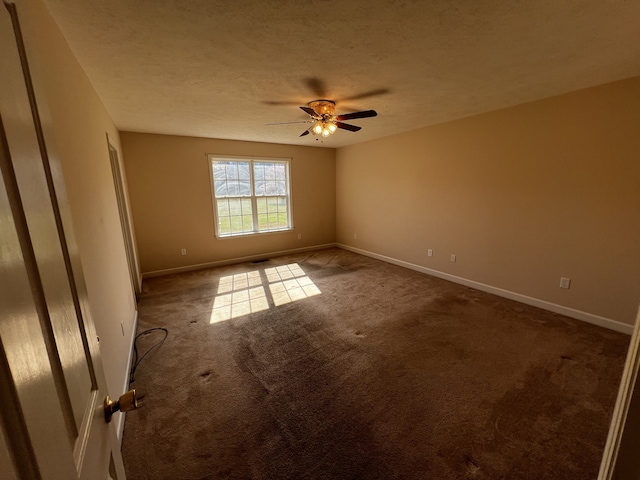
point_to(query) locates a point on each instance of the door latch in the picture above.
(125, 403)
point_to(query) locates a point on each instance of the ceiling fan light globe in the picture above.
(317, 129)
(332, 127)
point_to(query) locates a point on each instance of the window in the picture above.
(250, 195)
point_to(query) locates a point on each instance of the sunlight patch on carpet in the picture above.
(244, 293)
(289, 283)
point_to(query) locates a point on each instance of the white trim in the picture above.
(251, 160)
(124, 211)
(552, 307)
(125, 387)
(621, 410)
(230, 261)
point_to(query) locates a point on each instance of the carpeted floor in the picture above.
(357, 369)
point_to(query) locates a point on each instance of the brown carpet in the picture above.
(384, 373)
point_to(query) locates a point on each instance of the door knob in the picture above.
(125, 403)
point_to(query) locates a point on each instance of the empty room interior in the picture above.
(327, 240)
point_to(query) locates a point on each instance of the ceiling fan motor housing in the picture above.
(323, 107)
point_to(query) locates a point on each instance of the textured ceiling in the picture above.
(224, 69)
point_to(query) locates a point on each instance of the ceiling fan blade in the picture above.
(346, 126)
(354, 115)
(288, 123)
(306, 132)
(310, 111)
(281, 102)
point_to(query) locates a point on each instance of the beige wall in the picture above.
(80, 124)
(522, 196)
(172, 208)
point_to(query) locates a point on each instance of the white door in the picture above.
(52, 391)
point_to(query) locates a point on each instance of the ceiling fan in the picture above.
(326, 122)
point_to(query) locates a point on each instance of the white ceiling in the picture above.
(223, 68)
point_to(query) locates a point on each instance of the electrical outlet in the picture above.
(355, 236)
(453, 257)
(565, 282)
(183, 251)
(299, 236)
(430, 253)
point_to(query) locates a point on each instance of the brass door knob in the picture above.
(125, 403)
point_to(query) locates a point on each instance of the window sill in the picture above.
(252, 234)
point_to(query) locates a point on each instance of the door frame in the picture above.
(125, 218)
(611, 459)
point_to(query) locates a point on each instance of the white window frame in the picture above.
(212, 158)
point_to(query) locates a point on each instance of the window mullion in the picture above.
(287, 177)
(254, 203)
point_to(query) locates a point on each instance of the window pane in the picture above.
(272, 213)
(244, 181)
(258, 178)
(220, 187)
(234, 216)
(263, 205)
(235, 206)
(282, 216)
(223, 207)
(244, 187)
(236, 224)
(224, 225)
(232, 188)
(232, 171)
(265, 175)
(262, 221)
(231, 179)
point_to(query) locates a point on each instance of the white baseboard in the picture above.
(552, 307)
(125, 387)
(230, 261)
